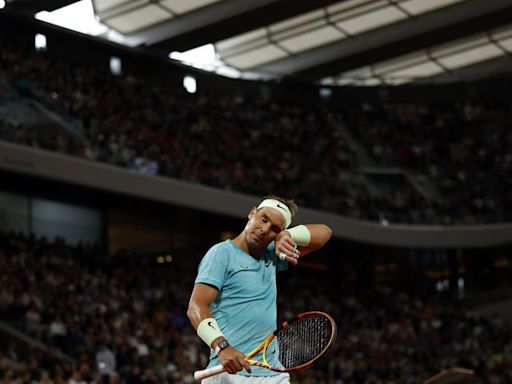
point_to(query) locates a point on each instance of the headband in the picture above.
(279, 207)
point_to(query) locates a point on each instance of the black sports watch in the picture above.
(223, 344)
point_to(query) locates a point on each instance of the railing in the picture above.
(24, 343)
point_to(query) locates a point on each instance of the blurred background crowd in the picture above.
(313, 151)
(103, 321)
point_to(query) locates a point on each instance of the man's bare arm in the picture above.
(202, 297)
(320, 235)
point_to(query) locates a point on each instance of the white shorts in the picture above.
(226, 378)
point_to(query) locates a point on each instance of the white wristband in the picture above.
(208, 330)
(300, 234)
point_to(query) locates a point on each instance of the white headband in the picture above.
(279, 207)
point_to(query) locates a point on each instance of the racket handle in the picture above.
(205, 373)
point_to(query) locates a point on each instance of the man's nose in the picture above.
(266, 227)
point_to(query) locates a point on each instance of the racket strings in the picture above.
(303, 340)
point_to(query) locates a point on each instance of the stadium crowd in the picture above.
(464, 147)
(249, 144)
(123, 320)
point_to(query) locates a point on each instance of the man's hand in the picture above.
(286, 248)
(233, 361)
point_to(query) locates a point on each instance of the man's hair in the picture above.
(288, 202)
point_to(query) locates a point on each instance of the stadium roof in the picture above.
(350, 42)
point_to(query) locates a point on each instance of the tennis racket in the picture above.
(299, 342)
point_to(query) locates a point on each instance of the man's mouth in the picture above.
(258, 237)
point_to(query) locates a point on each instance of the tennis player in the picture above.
(233, 304)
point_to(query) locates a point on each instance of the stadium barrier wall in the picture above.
(68, 169)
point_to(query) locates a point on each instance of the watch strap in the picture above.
(223, 344)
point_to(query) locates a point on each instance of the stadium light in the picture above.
(2, 4)
(115, 66)
(190, 84)
(383, 221)
(325, 93)
(40, 42)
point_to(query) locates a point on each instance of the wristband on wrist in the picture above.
(300, 235)
(208, 330)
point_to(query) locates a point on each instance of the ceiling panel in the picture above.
(103, 5)
(471, 56)
(292, 32)
(305, 41)
(359, 73)
(506, 44)
(139, 18)
(400, 62)
(503, 37)
(180, 7)
(391, 40)
(256, 57)
(417, 7)
(425, 69)
(237, 42)
(372, 20)
(459, 45)
(356, 9)
(121, 9)
(298, 21)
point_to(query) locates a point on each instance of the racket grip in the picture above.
(205, 373)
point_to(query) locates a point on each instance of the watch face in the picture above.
(223, 344)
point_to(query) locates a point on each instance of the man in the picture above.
(233, 304)
(105, 363)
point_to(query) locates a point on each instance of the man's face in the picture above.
(263, 227)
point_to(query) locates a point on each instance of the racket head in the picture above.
(299, 342)
(303, 340)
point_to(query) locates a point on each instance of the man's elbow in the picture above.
(326, 232)
(190, 312)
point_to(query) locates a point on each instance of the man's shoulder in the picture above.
(219, 249)
(223, 245)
